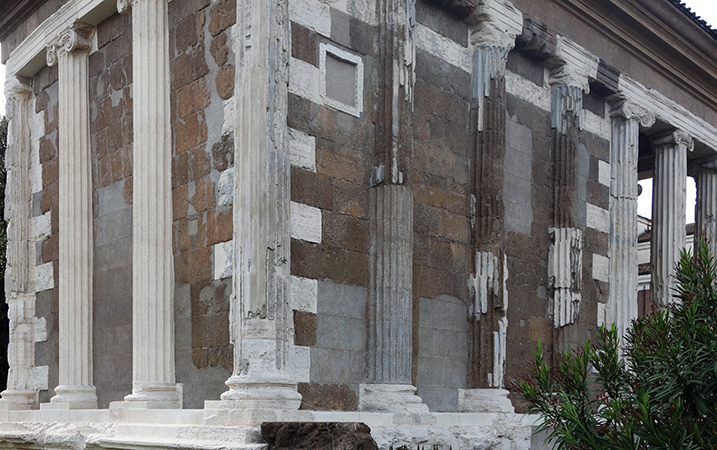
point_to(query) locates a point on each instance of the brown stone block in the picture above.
(186, 33)
(111, 27)
(128, 190)
(334, 163)
(100, 144)
(119, 47)
(311, 188)
(456, 228)
(193, 266)
(114, 137)
(303, 114)
(356, 235)
(213, 331)
(350, 198)
(127, 161)
(105, 170)
(189, 233)
(460, 258)
(221, 16)
(41, 101)
(317, 261)
(117, 77)
(181, 9)
(47, 150)
(429, 195)
(50, 172)
(427, 220)
(430, 283)
(204, 199)
(441, 254)
(220, 226)
(199, 160)
(304, 329)
(116, 167)
(180, 202)
(190, 132)
(50, 248)
(356, 271)
(192, 98)
(219, 50)
(225, 81)
(598, 194)
(596, 241)
(51, 125)
(55, 214)
(303, 43)
(46, 200)
(127, 68)
(96, 63)
(421, 249)
(540, 329)
(333, 229)
(180, 169)
(327, 397)
(223, 153)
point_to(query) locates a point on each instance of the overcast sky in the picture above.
(707, 9)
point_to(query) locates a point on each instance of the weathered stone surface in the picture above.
(327, 397)
(298, 435)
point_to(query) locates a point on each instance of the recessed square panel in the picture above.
(341, 79)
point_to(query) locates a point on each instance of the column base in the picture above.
(18, 400)
(390, 398)
(484, 400)
(265, 393)
(72, 397)
(154, 396)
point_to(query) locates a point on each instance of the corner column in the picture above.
(153, 376)
(21, 392)
(621, 306)
(76, 389)
(260, 316)
(491, 40)
(668, 212)
(705, 174)
(390, 310)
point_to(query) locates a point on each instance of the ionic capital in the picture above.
(676, 138)
(574, 65)
(630, 111)
(74, 39)
(17, 87)
(124, 6)
(496, 23)
(701, 166)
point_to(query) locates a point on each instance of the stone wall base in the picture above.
(214, 429)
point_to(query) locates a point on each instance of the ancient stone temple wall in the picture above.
(229, 212)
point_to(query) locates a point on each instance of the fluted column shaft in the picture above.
(19, 288)
(153, 376)
(260, 315)
(706, 204)
(668, 212)
(75, 388)
(622, 303)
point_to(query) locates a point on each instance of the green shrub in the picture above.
(661, 395)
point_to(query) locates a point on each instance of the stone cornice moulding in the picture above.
(29, 56)
(668, 111)
(125, 6)
(496, 23)
(576, 66)
(649, 38)
(75, 38)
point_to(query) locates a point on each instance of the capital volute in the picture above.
(702, 166)
(74, 39)
(630, 111)
(676, 138)
(124, 6)
(495, 23)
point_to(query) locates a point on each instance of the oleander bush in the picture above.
(659, 392)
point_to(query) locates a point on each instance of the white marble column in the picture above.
(69, 52)
(260, 317)
(621, 307)
(22, 382)
(153, 377)
(705, 174)
(668, 212)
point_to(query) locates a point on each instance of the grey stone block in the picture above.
(518, 218)
(341, 300)
(439, 399)
(430, 372)
(112, 226)
(111, 199)
(337, 366)
(113, 255)
(200, 384)
(112, 340)
(518, 137)
(340, 29)
(340, 333)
